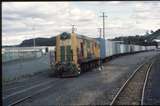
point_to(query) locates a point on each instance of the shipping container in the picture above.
(123, 48)
(103, 47)
(109, 49)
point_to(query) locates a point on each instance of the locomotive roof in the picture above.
(81, 36)
(85, 37)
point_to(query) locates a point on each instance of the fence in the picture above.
(17, 53)
(19, 62)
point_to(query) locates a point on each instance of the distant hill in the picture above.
(146, 39)
(39, 42)
(9, 46)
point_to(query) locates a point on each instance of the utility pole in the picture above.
(103, 15)
(33, 28)
(73, 28)
(100, 32)
(34, 42)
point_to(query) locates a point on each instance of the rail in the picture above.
(24, 93)
(129, 79)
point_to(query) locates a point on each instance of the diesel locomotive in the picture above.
(74, 54)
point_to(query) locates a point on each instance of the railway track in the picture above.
(132, 91)
(151, 91)
(22, 95)
(145, 83)
(7, 90)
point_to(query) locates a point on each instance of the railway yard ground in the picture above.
(91, 88)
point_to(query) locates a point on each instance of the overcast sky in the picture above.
(25, 20)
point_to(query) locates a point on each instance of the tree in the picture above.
(147, 33)
(152, 31)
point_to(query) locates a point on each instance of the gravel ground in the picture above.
(24, 68)
(93, 87)
(152, 91)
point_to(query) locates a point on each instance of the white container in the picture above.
(108, 48)
(136, 48)
(122, 48)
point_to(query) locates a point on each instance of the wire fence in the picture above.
(22, 53)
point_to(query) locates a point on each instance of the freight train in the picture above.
(76, 53)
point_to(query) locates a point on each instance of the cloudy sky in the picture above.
(25, 20)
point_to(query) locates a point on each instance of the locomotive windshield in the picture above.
(65, 35)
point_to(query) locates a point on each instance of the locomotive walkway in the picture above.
(93, 87)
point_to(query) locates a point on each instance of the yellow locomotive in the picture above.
(75, 54)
